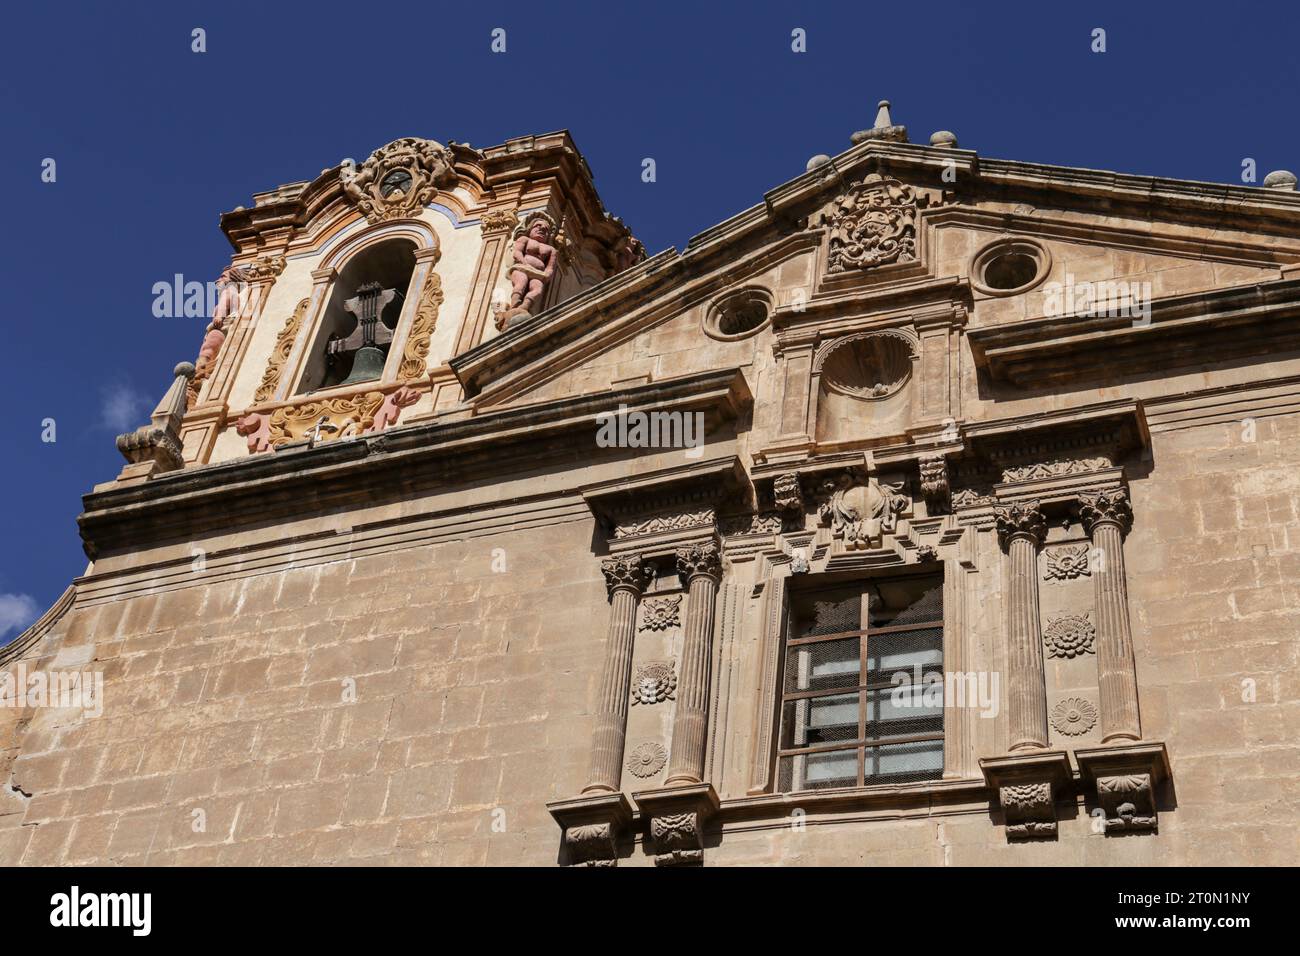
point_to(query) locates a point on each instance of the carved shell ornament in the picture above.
(867, 365)
(399, 179)
(647, 759)
(1074, 716)
(654, 683)
(1070, 636)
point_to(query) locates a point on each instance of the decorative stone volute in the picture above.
(156, 447)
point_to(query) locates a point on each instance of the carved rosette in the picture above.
(592, 844)
(654, 683)
(346, 415)
(628, 573)
(415, 354)
(788, 494)
(1066, 563)
(1029, 810)
(1128, 801)
(1074, 716)
(872, 223)
(1069, 636)
(646, 759)
(659, 614)
(1021, 520)
(1106, 507)
(678, 838)
(699, 560)
(935, 487)
(398, 180)
(280, 353)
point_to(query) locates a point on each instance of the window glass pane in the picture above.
(823, 665)
(829, 611)
(887, 654)
(902, 763)
(812, 721)
(908, 600)
(839, 768)
(903, 711)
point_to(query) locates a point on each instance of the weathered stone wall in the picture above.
(475, 664)
(471, 690)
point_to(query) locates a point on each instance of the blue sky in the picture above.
(153, 141)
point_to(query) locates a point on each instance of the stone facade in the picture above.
(436, 617)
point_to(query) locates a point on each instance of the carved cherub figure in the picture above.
(534, 265)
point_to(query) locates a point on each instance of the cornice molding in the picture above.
(1188, 330)
(298, 480)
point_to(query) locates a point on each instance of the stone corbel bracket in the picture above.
(1028, 787)
(592, 827)
(1127, 783)
(676, 818)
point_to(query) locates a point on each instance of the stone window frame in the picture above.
(1009, 245)
(712, 315)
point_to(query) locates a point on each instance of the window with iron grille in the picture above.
(845, 720)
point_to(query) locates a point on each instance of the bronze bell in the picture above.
(367, 365)
(367, 306)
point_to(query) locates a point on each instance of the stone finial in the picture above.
(944, 139)
(156, 447)
(821, 159)
(1280, 179)
(883, 128)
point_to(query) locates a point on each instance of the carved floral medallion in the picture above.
(654, 683)
(647, 759)
(1069, 636)
(659, 614)
(1074, 716)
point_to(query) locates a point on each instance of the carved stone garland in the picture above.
(415, 354)
(280, 354)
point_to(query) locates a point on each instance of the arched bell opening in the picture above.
(360, 317)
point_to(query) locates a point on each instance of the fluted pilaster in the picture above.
(625, 577)
(701, 566)
(1107, 516)
(1022, 528)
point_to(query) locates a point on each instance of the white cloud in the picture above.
(17, 611)
(123, 408)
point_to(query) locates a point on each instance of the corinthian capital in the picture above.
(626, 572)
(1106, 506)
(1022, 519)
(697, 559)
